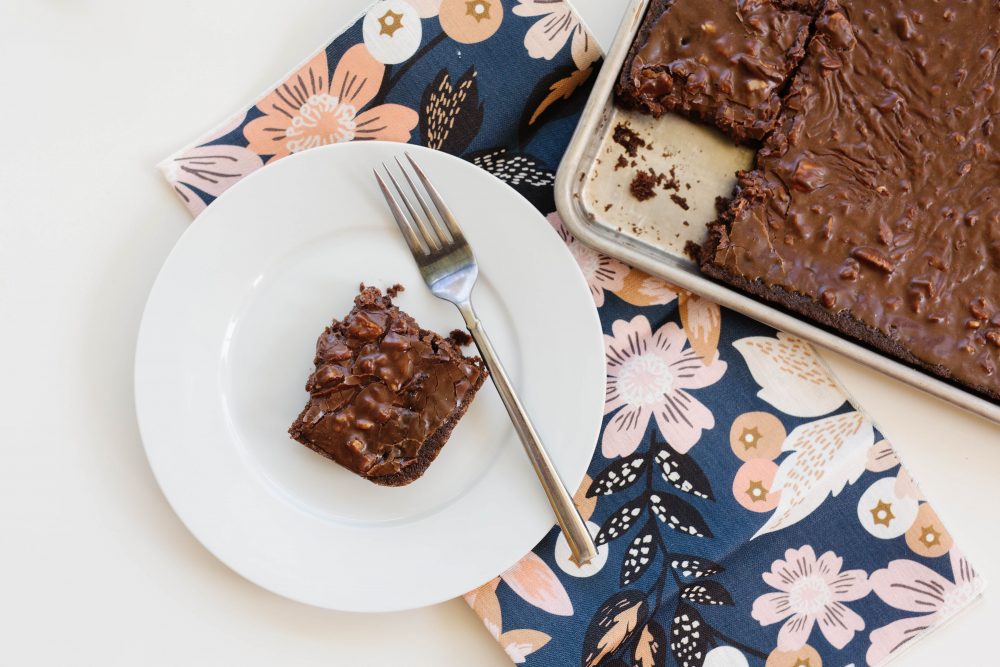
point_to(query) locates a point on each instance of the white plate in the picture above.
(226, 345)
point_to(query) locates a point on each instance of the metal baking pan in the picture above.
(592, 195)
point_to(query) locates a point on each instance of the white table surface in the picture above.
(94, 567)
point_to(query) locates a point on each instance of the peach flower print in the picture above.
(538, 585)
(910, 586)
(311, 109)
(811, 590)
(602, 272)
(648, 376)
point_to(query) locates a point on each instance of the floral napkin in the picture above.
(747, 513)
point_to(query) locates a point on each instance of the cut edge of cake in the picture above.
(626, 93)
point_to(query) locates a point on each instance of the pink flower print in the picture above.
(811, 590)
(557, 24)
(211, 169)
(910, 586)
(649, 375)
(602, 272)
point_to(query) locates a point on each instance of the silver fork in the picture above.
(450, 270)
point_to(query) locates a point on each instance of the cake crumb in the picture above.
(460, 337)
(643, 185)
(608, 207)
(692, 250)
(680, 201)
(622, 163)
(672, 183)
(626, 137)
(722, 205)
(395, 290)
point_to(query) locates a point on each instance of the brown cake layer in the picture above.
(875, 205)
(385, 394)
(722, 62)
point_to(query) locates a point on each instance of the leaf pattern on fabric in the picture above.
(451, 115)
(486, 605)
(642, 289)
(689, 638)
(519, 644)
(827, 455)
(584, 502)
(640, 554)
(679, 515)
(706, 592)
(681, 471)
(694, 567)
(538, 585)
(618, 476)
(791, 375)
(702, 321)
(615, 621)
(621, 522)
(560, 90)
(513, 168)
(651, 649)
(552, 99)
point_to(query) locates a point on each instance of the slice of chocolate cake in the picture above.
(874, 207)
(385, 394)
(723, 62)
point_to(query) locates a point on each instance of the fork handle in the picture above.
(581, 544)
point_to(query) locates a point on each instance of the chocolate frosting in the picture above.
(879, 193)
(382, 386)
(726, 66)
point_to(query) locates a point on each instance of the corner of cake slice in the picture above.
(723, 63)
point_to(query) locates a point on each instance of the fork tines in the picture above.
(425, 233)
